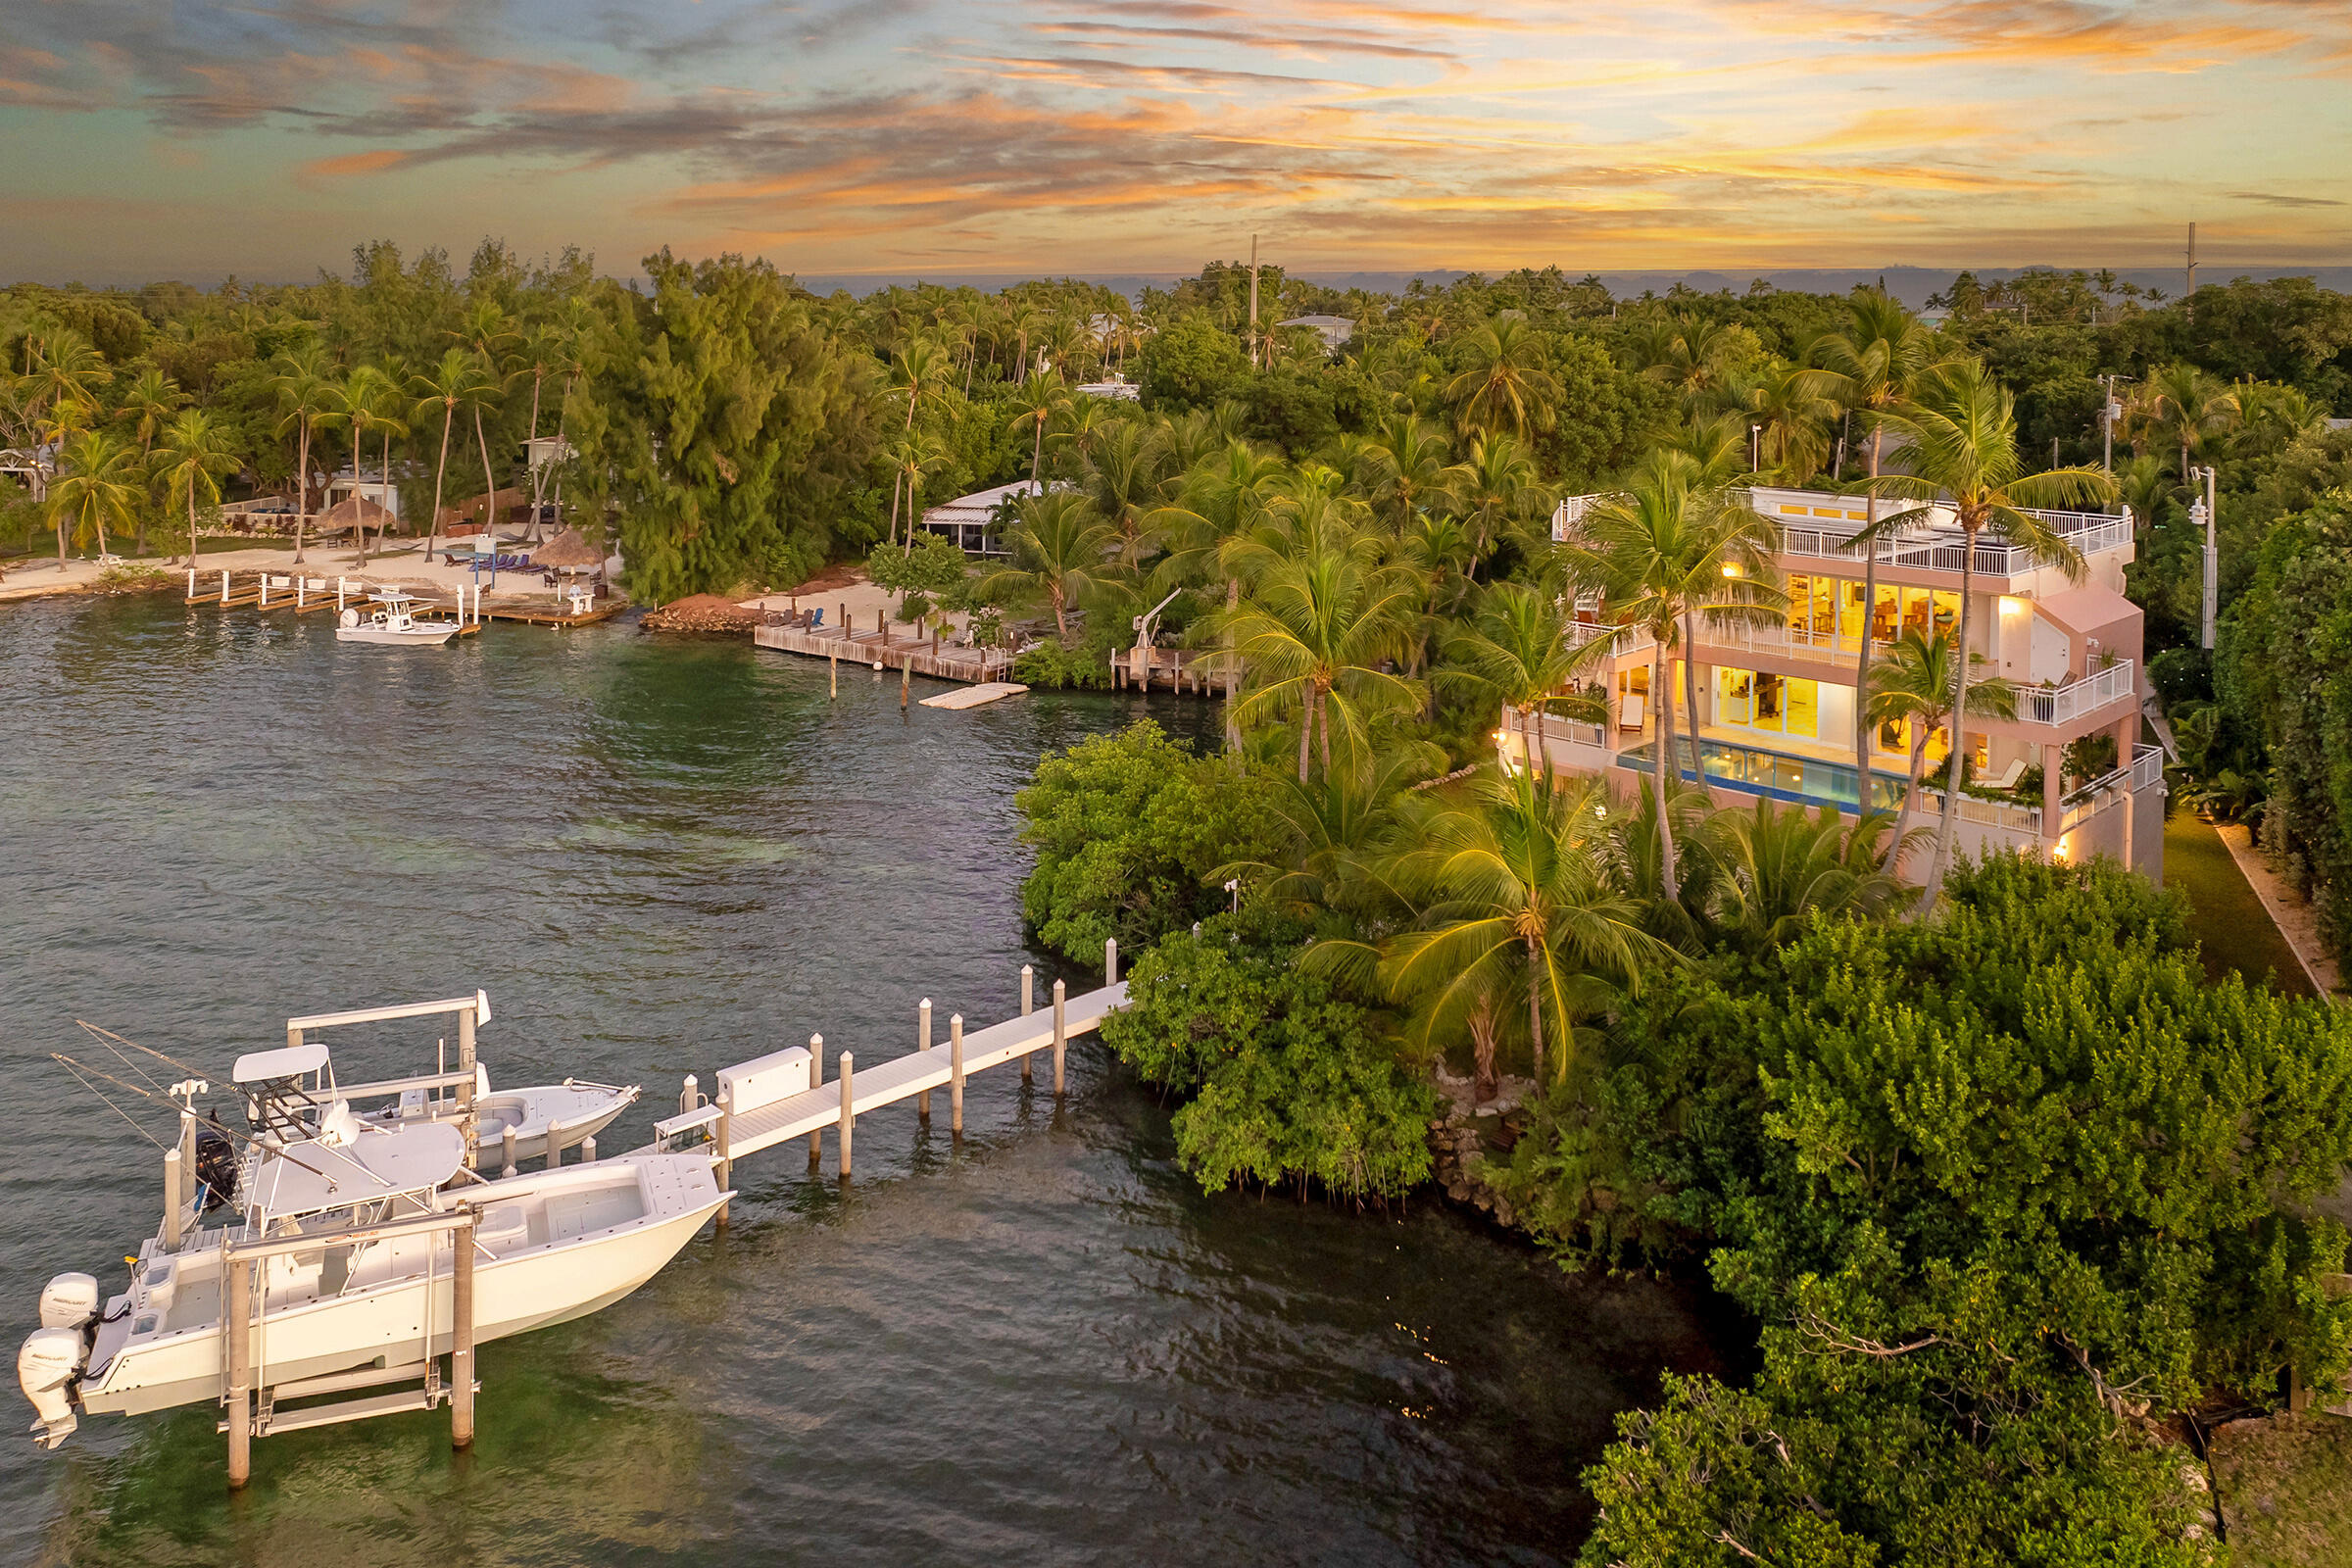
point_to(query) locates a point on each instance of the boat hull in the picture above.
(397, 637)
(387, 1324)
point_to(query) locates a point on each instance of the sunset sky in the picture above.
(194, 139)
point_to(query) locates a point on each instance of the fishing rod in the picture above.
(215, 1123)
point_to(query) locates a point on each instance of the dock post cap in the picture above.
(816, 1042)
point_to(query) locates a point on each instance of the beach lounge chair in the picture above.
(1631, 713)
(2009, 777)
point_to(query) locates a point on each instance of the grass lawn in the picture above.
(2285, 1488)
(2234, 931)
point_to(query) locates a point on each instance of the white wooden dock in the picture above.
(732, 1131)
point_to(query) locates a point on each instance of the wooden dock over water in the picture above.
(760, 1107)
(926, 656)
(298, 593)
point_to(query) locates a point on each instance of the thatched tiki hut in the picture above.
(568, 553)
(356, 513)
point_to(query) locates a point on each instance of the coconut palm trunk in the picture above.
(1870, 609)
(1534, 1005)
(1958, 756)
(1698, 766)
(489, 482)
(433, 527)
(1663, 717)
(302, 491)
(1902, 818)
(1233, 666)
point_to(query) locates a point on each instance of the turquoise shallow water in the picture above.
(1042, 1345)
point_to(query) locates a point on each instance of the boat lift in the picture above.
(760, 1102)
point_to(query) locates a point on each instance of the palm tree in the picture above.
(1411, 469)
(1665, 555)
(1058, 545)
(444, 390)
(1793, 407)
(1027, 322)
(922, 373)
(303, 389)
(1960, 450)
(1035, 403)
(154, 397)
(912, 454)
(1915, 686)
(1780, 865)
(1314, 632)
(93, 485)
(1123, 477)
(1517, 650)
(194, 455)
(1506, 386)
(1497, 480)
(68, 369)
(1518, 877)
(1875, 365)
(1689, 355)
(2187, 405)
(370, 402)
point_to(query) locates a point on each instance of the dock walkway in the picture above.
(938, 661)
(727, 1132)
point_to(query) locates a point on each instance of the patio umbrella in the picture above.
(568, 552)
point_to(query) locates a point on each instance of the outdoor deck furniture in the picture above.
(2009, 777)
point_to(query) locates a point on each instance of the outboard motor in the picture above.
(52, 1355)
(46, 1367)
(68, 1301)
(215, 1168)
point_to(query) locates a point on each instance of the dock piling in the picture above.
(236, 1307)
(1061, 1032)
(923, 1102)
(466, 1064)
(816, 1080)
(588, 1149)
(505, 1149)
(848, 1121)
(225, 587)
(906, 681)
(461, 1335)
(1028, 1007)
(1111, 960)
(690, 1098)
(833, 661)
(955, 1074)
(723, 1132)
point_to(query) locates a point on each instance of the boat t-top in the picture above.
(393, 622)
(340, 1230)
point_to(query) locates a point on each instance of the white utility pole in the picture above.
(2213, 554)
(1254, 302)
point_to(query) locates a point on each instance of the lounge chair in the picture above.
(2008, 779)
(1629, 712)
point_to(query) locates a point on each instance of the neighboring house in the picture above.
(974, 521)
(367, 487)
(1776, 704)
(540, 451)
(1117, 388)
(1334, 330)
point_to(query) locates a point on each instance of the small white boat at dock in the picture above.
(344, 1241)
(393, 622)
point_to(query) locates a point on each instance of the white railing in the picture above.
(2145, 768)
(1630, 639)
(2063, 705)
(1934, 546)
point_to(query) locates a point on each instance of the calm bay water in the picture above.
(1042, 1345)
